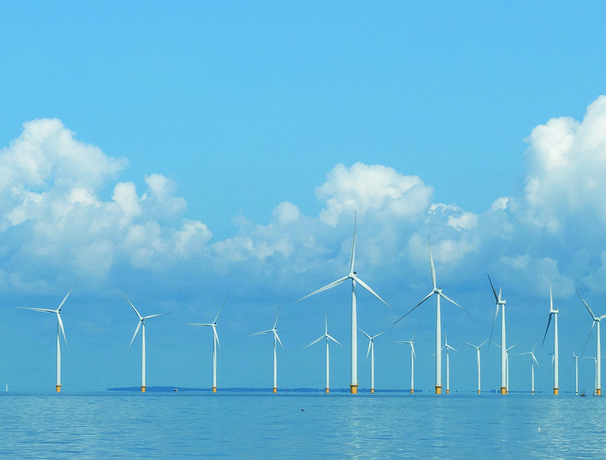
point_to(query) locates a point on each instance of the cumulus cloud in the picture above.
(49, 190)
(377, 188)
(566, 166)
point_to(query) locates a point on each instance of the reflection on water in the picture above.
(99, 425)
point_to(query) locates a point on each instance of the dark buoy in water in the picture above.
(176, 390)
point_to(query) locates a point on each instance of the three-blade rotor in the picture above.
(142, 319)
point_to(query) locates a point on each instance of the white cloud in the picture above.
(377, 188)
(285, 213)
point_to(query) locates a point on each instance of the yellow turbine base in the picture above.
(447, 391)
(275, 390)
(353, 389)
(58, 388)
(214, 389)
(503, 390)
(598, 391)
(438, 389)
(532, 392)
(372, 390)
(327, 390)
(556, 391)
(479, 391)
(142, 388)
(412, 391)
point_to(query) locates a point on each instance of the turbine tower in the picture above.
(477, 347)
(277, 340)
(60, 331)
(411, 342)
(575, 358)
(141, 325)
(215, 343)
(501, 304)
(371, 350)
(598, 353)
(328, 338)
(553, 313)
(438, 292)
(354, 315)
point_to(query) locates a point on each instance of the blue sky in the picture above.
(182, 153)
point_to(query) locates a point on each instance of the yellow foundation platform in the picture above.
(142, 389)
(438, 389)
(327, 390)
(598, 391)
(58, 388)
(214, 389)
(503, 390)
(275, 390)
(353, 389)
(412, 391)
(556, 391)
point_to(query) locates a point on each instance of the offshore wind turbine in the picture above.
(477, 347)
(371, 350)
(60, 331)
(598, 353)
(277, 340)
(328, 338)
(353, 385)
(533, 360)
(411, 342)
(553, 313)
(501, 304)
(141, 325)
(438, 292)
(215, 343)
(448, 347)
(575, 358)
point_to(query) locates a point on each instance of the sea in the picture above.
(291, 424)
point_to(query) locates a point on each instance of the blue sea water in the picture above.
(293, 425)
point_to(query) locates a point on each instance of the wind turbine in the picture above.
(141, 325)
(501, 304)
(328, 338)
(438, 291)
(354, 315)
(477, 347)
(215, 343)
(411, 342)
(598, 353)
(277, 340)
(448, 347)
(553, 313)
(371, 350)
(533, 360)
(60, 331)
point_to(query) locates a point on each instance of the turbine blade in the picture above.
(263, 332)
(550, 298)
(417, 305)
(333, 339)
(369, 289)
(278, 337)
(588, 337)
(67, 295)
(496, 314)
(452, 301)
(433, 269)
(216, 336)
(154, 316)
(588, 309)
(277, 315)
(200, 324)
(369, 347)
(135, 334)
(547, 329)
(43, 310)
(219, 312)
(362, 331)
(497, 298)
(61, 326)
(314, 342)
(131, 304)
(328, 286)
(353, 247)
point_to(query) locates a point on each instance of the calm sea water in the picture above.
(256, 425)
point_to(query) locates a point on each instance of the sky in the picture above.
(192, 154)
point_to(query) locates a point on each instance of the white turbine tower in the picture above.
(215, 343)
(501, 304)
(328, 338)
(438, 292)
(447, 348)
(354, 315)
(411, 342)
(553, 313)
(141, 325)
(576, 376)
(598, 353)
(533, 360)
(371, 350)
(595, 370)
(274, 332)
(477, 347)
(60, 331)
